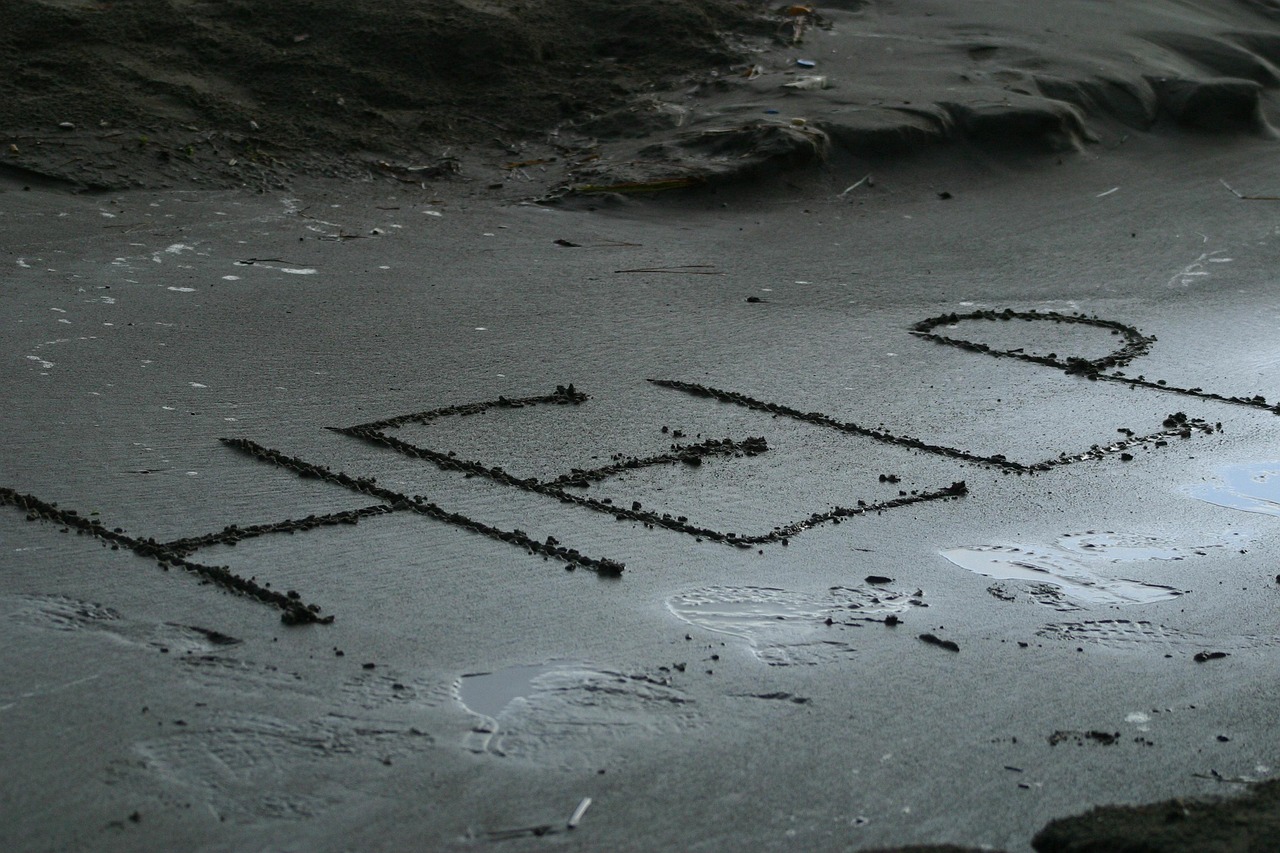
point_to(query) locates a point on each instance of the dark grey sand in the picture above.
(470, 694)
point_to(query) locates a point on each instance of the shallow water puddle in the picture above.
(1252, 487)
(489, 693)
(1079, 567)
(786, 627)
(1048, 566)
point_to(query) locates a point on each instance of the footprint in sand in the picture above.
(1081, 570)
(207, 658)
(1126, 635)
(62, 613)
(248, 767)
(568, 715)
(784, 627)
(385, 690)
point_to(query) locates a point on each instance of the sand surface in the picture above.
(906, 478)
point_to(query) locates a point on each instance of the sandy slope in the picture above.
(163, 93)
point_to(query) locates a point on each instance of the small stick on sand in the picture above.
(508, 834)
(578, 813)
(1241, 195)
(853, 187)
(1218, 777)
(688, 269)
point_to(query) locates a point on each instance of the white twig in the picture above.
(1241, 195)
(853, 187)
(579, 812)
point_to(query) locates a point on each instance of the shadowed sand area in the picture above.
(161, 92)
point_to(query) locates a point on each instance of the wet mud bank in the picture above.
(1249, 823)
(549, 99)
(157, 92)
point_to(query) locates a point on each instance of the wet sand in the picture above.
(688, 504)
(700, 698)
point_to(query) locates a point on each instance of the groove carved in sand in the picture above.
(294, 610)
